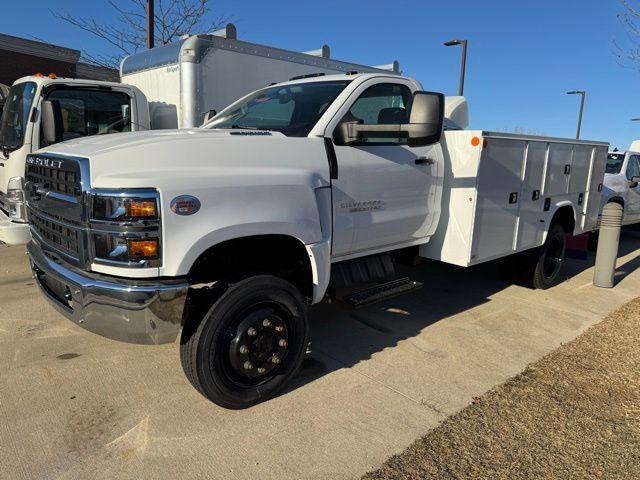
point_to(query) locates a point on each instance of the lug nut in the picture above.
(279, 328)
(266, 322)
(248, 365)
(261, 370)
(282, 342)
(252, 332)
(244, 349)
(275, 359)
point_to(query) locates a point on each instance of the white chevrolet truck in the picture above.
(297, 192)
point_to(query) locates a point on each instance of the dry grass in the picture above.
(573, 414)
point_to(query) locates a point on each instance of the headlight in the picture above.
(125, 228)
(123, 209)
(15, 199)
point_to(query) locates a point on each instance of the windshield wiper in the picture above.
(244, 127)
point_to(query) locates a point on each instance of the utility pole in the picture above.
(463, 64)
(583, 94)
(150, 23)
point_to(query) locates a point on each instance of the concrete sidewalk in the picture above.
(74, 405)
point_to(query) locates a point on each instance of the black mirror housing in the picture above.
(426, 119)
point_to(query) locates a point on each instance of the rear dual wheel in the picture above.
(540, 268)
(249, 344)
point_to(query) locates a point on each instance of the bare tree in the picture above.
(128, 32)
(628, 54)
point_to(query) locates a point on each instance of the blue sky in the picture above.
(523, 55)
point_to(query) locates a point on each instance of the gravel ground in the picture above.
(573, 414)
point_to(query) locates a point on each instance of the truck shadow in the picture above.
(342, 337)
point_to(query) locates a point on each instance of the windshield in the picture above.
(88, 111)
(290, 109)
(15, 115)
(614, 162)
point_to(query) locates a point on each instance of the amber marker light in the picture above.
(141, 208)
(475, 141)
(143, 248)
(53, 76)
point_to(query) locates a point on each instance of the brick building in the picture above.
(21, 56)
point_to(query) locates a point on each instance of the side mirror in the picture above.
(209, 115)
(424, 128)
(633, 183)
(50, 122)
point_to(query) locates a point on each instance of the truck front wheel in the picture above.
(249, 344)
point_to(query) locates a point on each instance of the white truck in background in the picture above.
(184, 83)
(298, 191)
(622, 182)
(43, 110)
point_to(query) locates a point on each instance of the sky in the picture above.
(523, 55)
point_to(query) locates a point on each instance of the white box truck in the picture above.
(298, 191)
(183, 81)
(186, 80)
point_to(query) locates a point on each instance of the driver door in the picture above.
(385, 194)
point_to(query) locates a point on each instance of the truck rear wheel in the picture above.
(541, 267)
(249, 344)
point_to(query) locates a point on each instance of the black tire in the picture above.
(540, 268)
(243, 333)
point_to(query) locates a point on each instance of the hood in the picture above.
(161, 158)
(100, 144)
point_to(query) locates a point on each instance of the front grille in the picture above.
(55, 206)
(62, 236)
(54, 179)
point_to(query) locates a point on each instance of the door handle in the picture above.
(424, 161)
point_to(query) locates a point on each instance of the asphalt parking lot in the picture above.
(74, 405)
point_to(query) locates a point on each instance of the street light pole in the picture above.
(463, 63)
(150, 23)
(583, 94)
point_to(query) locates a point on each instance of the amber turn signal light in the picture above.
(142, 248)
(141, 208)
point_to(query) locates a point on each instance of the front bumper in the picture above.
(134, 311)
(13, 233)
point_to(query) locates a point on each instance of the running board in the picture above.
(380, 292)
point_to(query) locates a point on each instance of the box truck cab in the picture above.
(44, 110)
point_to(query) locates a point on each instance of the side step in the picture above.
(380, 292)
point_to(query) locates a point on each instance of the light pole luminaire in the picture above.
(583, 94)
(463, 63)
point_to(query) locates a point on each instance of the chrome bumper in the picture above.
(135, 311)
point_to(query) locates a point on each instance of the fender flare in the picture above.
(319, 253)
(552, 212)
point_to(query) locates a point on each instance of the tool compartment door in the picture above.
(558, 169)
(531, 202)
(499, 191)
(598, 166)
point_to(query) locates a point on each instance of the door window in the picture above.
(633, 169)
(382, 104)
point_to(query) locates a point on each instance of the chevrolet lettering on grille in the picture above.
(44, 162)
